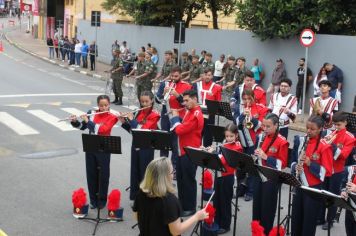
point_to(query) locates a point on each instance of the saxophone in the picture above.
(317, 107)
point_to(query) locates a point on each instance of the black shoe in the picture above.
(119, 102)
(116, 100)
(326, 226)
(188, 213)
(223, 231)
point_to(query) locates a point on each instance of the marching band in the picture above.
(318, 159)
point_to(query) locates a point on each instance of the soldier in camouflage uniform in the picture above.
(185, 63)
(229, 74)
(241, 70)
(140, 75)
(117, 75)
(208, 62)
(167, 66)
(196, 70)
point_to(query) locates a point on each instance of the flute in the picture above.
(124, 114)
(88, 115)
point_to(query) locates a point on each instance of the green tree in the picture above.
(226, 7)
(283, 19)
(155, 12)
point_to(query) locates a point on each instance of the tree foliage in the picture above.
(167, 12)
(283, 19)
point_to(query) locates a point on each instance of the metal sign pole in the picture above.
(305, 81)
(96, 38)
(180, 42)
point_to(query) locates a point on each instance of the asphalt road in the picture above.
(35, 191)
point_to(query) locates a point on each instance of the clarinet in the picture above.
(339, 209)
(302, 153)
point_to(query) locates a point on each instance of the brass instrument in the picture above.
(248, 122)
(329, 139)
(317, 107)
(301, 154)
(259, 145)
(168, 94)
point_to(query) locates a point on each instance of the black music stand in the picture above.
(218, 133)
(100, 144)
(281, 178)
(219, 108)
(351, 122)
(328, 198)
(241, 162)
(156, 139)
(205, 160)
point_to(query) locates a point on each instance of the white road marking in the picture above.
(83, 72)
(73, 111)
(48, 95)
(51, 119)
(16, 125)
(42, 70)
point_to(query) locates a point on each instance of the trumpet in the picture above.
(259, 145)
(329, 139)
(301, 154)
(78, 116)
(168, 94)
(248, 122)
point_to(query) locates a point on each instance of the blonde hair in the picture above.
(157, 182)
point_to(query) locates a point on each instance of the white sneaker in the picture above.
(299, 112)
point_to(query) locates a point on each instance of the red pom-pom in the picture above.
(208, 180)
(257, 229)
(114, 200)
(274, 232)
(211, 210)
(79, 198)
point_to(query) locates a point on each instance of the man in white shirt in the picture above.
(284, 105)
(219, 66)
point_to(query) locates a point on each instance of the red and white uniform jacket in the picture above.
(145, 119)
(260, 95)
(189, 131)
(176, 102)
(99, 124)
(207, 91)
(277, 105)
(248, 136)
(277, 153)
(232, 146)
(328, 106)
(342, 147)
(321, 160)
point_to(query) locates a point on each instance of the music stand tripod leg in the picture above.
(236, 205)
(199, 225)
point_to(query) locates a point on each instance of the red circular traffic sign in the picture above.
(307, 38)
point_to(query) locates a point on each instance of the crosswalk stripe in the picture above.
(16, 125)
(51, 119)
(73, 111)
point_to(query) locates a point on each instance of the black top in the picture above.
(154, 214)
(300, 73)
(335, 76)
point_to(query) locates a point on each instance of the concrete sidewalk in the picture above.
(38, 48)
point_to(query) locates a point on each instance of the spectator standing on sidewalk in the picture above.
(257, 71)
(154, 57)
(319, 77)
(71, 52)
(84, 52)
(55, 44)
(114, 46)
(219, 66)
(336, 77)
(78, 52)
(300, 84)
(61, 47)
(93, 51)
(50, 47)
(279, 73)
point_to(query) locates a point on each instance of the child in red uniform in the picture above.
(140, 158)
(313, 167)
(224, 185)
(272, 152)
(98, 124)
(252, 113)
(342, 143)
